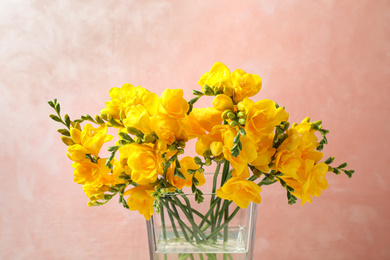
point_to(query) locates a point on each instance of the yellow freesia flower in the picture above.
(310, 180)
(215, 136)
(262, 118)
(265, 151)
(168, 128)
(141, 199)
(240, 191)
(315, 181)
(87, 171)
(218, 79)
(138, 117)
(77, 152)
(96, 189)
(90, 138)
(127, 96)
(245, 84)
(207, 118)
(145, 165)
(173, 104)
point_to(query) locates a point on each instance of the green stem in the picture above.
(225, 172)
(181, 225)
(224, 224)
(226, 229)
(209, 212)
(163, 222)
(190, 218)
(173, 224)
(176, 215)
(213, 196)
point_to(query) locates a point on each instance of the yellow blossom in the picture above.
(262, 118)
(145, 165)
(173, 104)
(222, 102)
(92, 139)
(168, 128)
(95, 190)
(138, 117)
(207, 117)
(77, 152)
(141, 199)
(218, 79)
(87, 171)
(245, 84)
(240, 191)
(265, 151)
(127, 96)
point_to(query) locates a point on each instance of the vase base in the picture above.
(202, 256)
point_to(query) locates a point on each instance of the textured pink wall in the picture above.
(329, 60)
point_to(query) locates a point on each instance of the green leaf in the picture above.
(194, 180)
(51, 103)
(55, 118)
(57, 108)
(179, 173)
(67, 120)
(177, 164)
(126, 137)
(266, 181)
(197, 93)
(349, 173)
(329, 160)
(343, 165)
(236, 139)
(99, 120)
(113, 148)
(64, 132)
(242, 131)
(291, 198)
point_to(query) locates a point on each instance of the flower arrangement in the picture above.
(252, 142)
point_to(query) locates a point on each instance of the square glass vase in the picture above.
(214, 229)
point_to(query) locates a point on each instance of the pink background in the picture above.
(329, 60)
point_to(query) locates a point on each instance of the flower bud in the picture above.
(208, 91)
(240, 106)
(133, 131)
(149, 138)
(242, 121)
(231, 115)
(241, 114)
(228, 91)
(232, 123)
(122, 115)
(256, 172)
(222, 102)
(182, 144)
(225, 114)
(197, 160)
(67, 140)
(207, 153)
(208, 161)
(137, 140)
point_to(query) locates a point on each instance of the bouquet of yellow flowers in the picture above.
(252, 142)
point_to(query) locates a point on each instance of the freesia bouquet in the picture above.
(252, 142)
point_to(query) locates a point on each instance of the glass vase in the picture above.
(214, 229)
